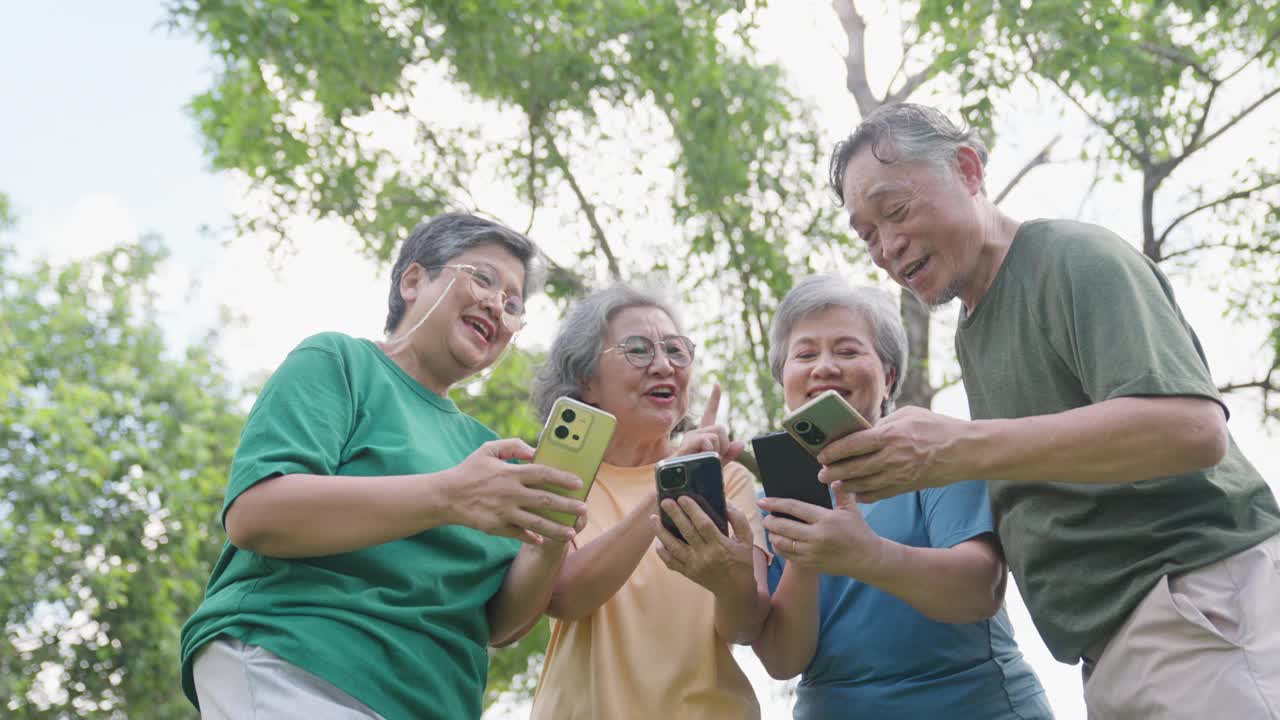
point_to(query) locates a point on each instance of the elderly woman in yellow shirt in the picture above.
(644, 629)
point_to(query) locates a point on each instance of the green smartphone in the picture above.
(574, 439)
(822, 420)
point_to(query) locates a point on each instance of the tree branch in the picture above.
(1266, 45)
(1229, 197)
(1040, 158)
(912, 84)
(1265, 384)
(1142, 157)
(1179, 56)
(602, 241)
(855, 62)
(1232, 122)
(1238, 247)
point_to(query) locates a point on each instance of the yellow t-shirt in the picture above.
(651, 651)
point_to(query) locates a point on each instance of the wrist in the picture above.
(977, 451)
(877, 564)
(438, 500)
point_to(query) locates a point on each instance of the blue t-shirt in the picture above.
(878, 657)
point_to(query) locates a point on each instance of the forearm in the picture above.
(789, 637)
(1116, 441)
(960, 584)
(525, 592)
(741, 609)
(312, 515)
(592, 574)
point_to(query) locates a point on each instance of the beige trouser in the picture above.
(1203, 644)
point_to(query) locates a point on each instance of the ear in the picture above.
(970, 170)
(890, 377)
(411, 281)
(588, 394)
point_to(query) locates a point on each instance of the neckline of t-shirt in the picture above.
(967, 319)
(444, 403)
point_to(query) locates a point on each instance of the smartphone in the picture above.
(823, 420)
(574, 439)
(699, 476)
(787, 470)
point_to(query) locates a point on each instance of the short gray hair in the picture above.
(904, 132)
(575, 352)
(446, 236)
(820, 292)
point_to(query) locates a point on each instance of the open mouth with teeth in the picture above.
(842, 392)
(662, 392)
(483, 329)
(914, 269)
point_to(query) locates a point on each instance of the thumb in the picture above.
(742, 531)
(844, 499)
(508, 449)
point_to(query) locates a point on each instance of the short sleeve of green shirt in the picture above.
(1112, 319)
(300, 423)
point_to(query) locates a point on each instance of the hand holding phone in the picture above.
(698, 476)
(823, 420)
(574, 439)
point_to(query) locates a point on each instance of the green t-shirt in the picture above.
(399, 626)
(1077, 316)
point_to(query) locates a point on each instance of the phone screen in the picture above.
(787, 470)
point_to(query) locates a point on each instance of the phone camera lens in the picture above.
(562, 432)
(803, 427)
(816, 437)
(672, 478)
(568, 416)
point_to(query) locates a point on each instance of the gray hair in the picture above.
(905, 132)
(820, 292)
(444, 237)
(575, 352)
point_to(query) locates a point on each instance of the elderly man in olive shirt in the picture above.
(1141, 538)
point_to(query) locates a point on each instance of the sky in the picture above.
(96, 148)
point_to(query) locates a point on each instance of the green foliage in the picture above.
(574, 76)
(113, 459)
(499, 398)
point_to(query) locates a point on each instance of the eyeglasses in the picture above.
(482, 284)
(640, 350)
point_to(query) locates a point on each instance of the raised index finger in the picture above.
(713, 407)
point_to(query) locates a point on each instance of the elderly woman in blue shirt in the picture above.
(891, 609)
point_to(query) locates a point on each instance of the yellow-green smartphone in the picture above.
(822, 420)
(574, 440)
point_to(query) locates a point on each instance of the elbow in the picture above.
(1206, 440)
(779, 668)
(242, 531)
(1211, 442)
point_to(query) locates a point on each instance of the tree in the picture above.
(721, 157)
(1165, 83)
(113, 461)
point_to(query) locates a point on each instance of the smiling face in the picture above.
(463, 335)
(834, 349)
(648, 402)
(920, 222)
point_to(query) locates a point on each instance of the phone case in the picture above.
(823, 420)
(787, 470)
(699, 476)
(574, 439)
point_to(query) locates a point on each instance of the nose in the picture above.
(825, 367)
(893, 245)
(661, 364)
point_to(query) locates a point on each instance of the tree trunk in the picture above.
(916, 390)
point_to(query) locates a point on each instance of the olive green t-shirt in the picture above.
(399, 626)
(1077, 316)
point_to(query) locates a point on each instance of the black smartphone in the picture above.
(699, 476)
(788, 470)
